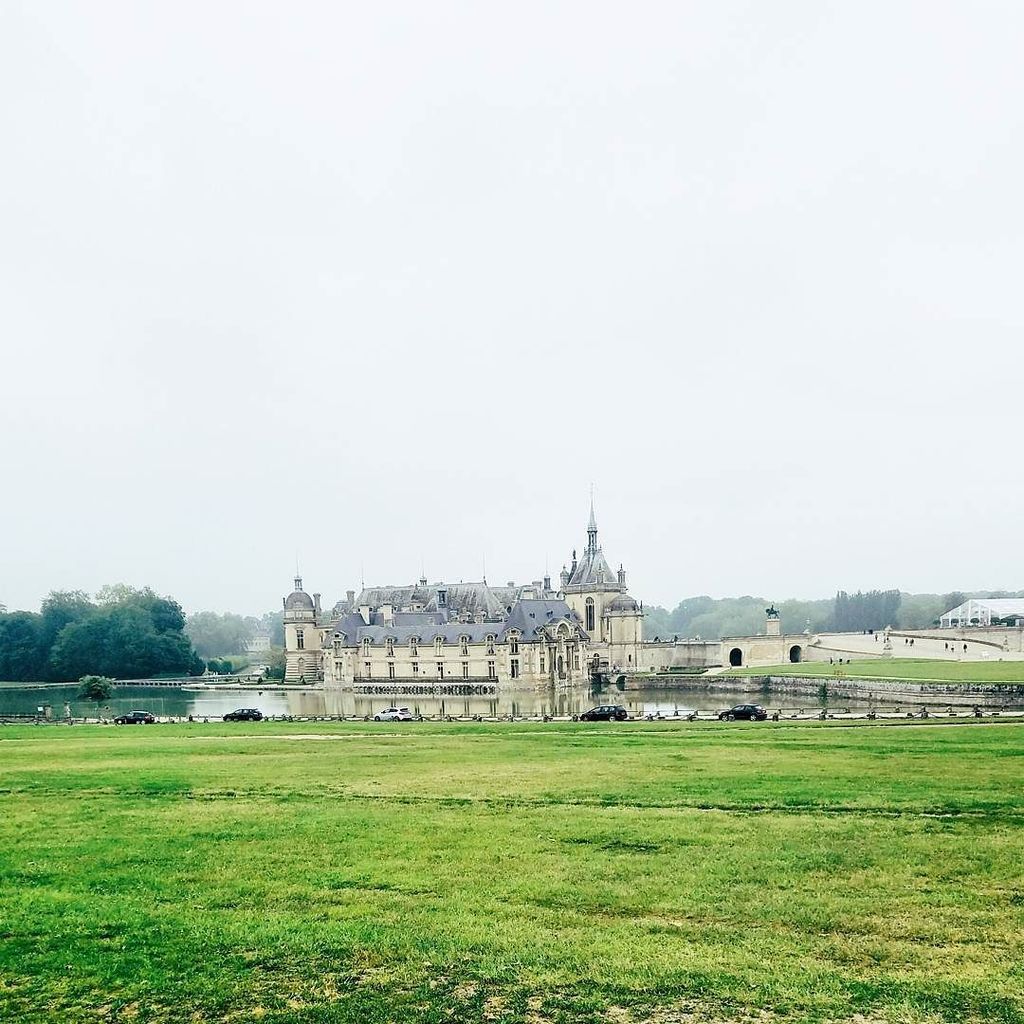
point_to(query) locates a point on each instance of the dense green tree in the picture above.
(95, 688)
(59, 609)
(22, 651)
(125, 640)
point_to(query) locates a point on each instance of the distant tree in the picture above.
(273, 623)
(276, 661)
(953, 600)
(656, 622)
(214, 635)
(875, 609)
(95, 688)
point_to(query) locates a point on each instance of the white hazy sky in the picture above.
(383, 285)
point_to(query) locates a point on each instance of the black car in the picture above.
(605, 713)
(135, 718)
(744, 712)
(244, 715)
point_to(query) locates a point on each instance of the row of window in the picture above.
(514, 668)
(491, 669)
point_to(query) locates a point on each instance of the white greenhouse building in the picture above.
(982, 611)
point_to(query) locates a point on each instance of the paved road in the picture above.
(951, 650)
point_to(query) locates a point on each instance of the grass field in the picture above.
(529, 873)
(899, 668)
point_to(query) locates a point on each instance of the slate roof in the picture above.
(529, 617)
(593, 570)
(461, 598)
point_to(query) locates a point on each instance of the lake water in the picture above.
(177, 701)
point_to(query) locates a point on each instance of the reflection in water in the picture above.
(174, 701)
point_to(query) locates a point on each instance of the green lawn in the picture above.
(529, 873)
(899, 668)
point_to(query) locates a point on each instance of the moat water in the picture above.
(182, 701)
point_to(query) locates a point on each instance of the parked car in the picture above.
(605, 713)
(135, 718)
(393, 715)
(744, 712)
(244, 715)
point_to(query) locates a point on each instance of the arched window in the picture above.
(414, 646)
(590, 615)
(366, 646)
(490, 643)
(390, 647)
(464, 646)
(438, 644)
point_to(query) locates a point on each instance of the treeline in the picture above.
(876, 609)
(712, 618)
(216, 634)
(124, 633)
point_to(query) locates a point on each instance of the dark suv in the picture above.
(745, 712)
(605, 713)
(135, 718)
(244, 715)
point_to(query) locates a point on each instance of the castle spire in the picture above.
(592, 525)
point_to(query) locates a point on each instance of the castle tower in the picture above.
(302, 636)
(592, 585)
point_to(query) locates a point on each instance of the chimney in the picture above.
(350, 597)
(316, 605)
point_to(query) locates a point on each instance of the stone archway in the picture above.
(736, 657)
(795, 653)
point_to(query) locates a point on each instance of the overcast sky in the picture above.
(383, 286)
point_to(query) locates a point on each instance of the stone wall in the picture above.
(882, 690)
(669, 654)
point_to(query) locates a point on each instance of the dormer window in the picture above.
(442, 599)
(414, 646)
(438, 645)
(390, 643)
(490, 643)
(366, 646)
(464, 646)
(513, 643)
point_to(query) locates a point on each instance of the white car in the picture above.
(393, 715)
